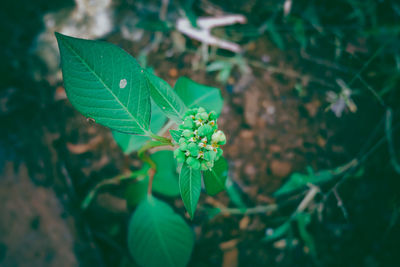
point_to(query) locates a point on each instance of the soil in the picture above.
(52, 156)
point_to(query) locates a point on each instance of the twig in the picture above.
(166, 127)
(312, 192)
(113, 181)
(203, 32)
(340, 204)
(248, 211)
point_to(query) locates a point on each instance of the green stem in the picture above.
(164, 140)
(113, 181)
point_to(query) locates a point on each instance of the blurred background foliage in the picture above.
(338, 200)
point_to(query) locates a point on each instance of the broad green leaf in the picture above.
(165, 97)
(198, 95)
(105, 83)
(214, 180)
(130, 143)
(136, 192)
(278, 232)
(176, 135)
(190, 186)
(166, 178)
(157, 236)
(298, 181)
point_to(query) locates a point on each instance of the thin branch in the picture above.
(340, 204)
(151, 173)
(248, 211)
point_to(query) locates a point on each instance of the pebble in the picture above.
(280, 168)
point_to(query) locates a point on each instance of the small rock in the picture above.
(173, 73)
(312, 108)
(280, 168)
(244, 222)
(275, 148)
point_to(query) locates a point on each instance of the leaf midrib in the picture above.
(104, 84)
(201, 98)
(190, 192)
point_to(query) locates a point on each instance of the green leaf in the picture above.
(234, 194)
(166, 178)
(136, 192)
(165, 97)
(303, 220)
(130, 143)
(190, 186)
(159, 237)
(278, 232)
(215, 179)
(176, 135)
(105, 83)
(298, 181)
(198, 95)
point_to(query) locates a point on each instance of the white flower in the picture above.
(218, 136)
(202, 144)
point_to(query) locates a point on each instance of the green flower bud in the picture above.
(190, 112)
(219, 138)
(213, 125)
(187, 133)
(179, 155)
(183, 147)
(193, 163)
(201, 116)
(193, 149)
(187, 123)
(210, 155)
(204, 166)
(205, 130)
(210, 164)
(212, 115)
(200, 139)
(219, 153)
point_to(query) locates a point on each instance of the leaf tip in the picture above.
(58, 35)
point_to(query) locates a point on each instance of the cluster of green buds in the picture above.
(200, 140)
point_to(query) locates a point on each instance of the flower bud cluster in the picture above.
(200, 140)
